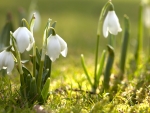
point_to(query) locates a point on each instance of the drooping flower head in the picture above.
(6, 61)
(56, 46)
(24, 39)
(111, 23)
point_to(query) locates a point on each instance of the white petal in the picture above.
(111, 24)
(22, 41)
(6, 61)
(64, 52)
(9, 63)
(63, 46)
(1, 60)
(16, 32)
(31, 39)
(105, 27)
(24, 38)
(53, 48)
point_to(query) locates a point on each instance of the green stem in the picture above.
(112, 40)
(39, 79)
(148, 50)
(34, 47)
(19, 63)
(96, 61)
(34, 60)
(124, 45)
(106, 6)
(140, 36)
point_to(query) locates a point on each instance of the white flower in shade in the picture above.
(6, 61)
(111, 24)
(56, 46)
(24, 39)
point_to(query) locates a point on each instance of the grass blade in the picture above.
(45, 89)
(101, 65)
(140, 35)
(109, 65)
(85, 70)
(124, 44)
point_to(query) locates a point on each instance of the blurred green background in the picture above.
(76, 21)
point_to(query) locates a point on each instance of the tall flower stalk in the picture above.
(39, 78)
(110, 24)
(17, 54)
(34, 46)
(139, 45)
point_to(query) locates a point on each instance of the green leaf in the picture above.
(38, 56)
(26, 72)
(45, 90)
(33, 90)
(45, 76)
(85, 70)
(5, 35)
(124, 44)
(47, 68)
(108, 68)
(101, 65)
(28, 80)
(37, 64)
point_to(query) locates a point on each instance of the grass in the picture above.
(70, 90)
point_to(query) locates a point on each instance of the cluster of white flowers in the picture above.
(55, 44)
(25, 40)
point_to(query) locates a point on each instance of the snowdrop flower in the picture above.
(111, 24)
(56, 46)
(6, 61)
(24, 39)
